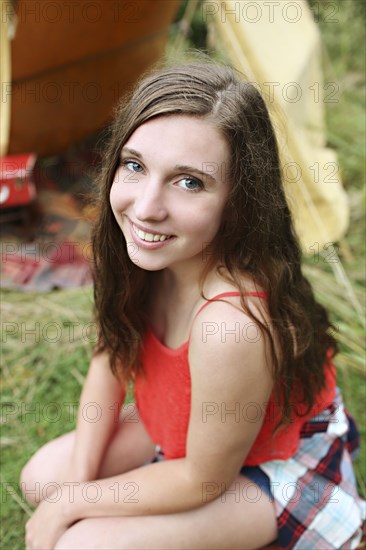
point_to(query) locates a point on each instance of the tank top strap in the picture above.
(230, 294)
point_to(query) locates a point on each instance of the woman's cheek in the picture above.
(116, 197)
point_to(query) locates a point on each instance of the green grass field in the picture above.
(46, 345)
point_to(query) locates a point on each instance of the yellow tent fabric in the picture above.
(278, 46)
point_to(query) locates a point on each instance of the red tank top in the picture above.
(163, 399)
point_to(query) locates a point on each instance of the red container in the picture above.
(16, 180)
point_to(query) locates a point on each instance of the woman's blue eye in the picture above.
(132, 165)
(191, 184)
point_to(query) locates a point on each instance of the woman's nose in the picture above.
(150, 202)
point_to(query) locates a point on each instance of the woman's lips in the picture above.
(149, 236)
(147, 239)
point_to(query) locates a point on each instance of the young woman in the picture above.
(238, 437)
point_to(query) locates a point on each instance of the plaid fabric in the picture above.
(314, 492)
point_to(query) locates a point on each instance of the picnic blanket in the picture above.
(53, 250)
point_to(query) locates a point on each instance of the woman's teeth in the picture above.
(149, 237)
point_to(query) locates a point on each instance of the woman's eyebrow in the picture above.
(131, 152)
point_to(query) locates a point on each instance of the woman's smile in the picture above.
(147, 238)
(149, 234)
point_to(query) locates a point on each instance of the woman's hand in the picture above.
(48, 523)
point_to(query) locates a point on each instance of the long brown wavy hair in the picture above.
(256, 236)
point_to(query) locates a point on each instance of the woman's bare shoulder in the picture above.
(226, 334)
(221, 282)
(240, 320)
(247, 290)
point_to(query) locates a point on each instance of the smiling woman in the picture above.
(238, 436)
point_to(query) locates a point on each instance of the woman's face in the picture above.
(170, 190)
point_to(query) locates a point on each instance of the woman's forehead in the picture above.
(181, 134)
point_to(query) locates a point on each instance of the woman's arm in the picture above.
(98, 418)
(227, 374)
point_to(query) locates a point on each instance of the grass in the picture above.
(44, 363)
(344, 63)
(43, 370)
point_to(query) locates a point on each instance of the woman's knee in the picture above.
(44, 468)
(30, 481)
